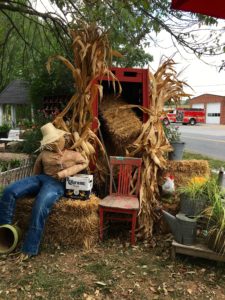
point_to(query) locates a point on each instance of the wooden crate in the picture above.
(196, 250)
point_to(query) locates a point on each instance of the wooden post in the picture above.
(1, 114)
(13, 115)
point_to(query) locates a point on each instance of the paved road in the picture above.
(207, 140)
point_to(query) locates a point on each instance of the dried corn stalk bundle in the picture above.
(102, 170)
(121, 125)
(152, 144)
(92, 54)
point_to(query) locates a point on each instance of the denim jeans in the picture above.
(47, 191)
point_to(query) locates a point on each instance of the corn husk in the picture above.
(152, 144)
(92, 56)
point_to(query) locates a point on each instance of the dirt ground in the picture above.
(112, 270)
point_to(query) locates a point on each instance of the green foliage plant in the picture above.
(1, 190)
(7, 165)
(195, 189)
(5, 128)
(194, 197)
(33, 135)
(214, 214)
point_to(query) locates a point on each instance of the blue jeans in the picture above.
(47, 191)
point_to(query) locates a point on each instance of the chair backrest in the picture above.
(125, 174)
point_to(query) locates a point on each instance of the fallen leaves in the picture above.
(119, 273)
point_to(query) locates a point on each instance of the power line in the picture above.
(209, 85)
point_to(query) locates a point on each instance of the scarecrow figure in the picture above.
(52, 166)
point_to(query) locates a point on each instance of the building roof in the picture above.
(207, 96)
(16, 92)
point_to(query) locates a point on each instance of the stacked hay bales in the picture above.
(184, 170)
(121, 125)
(72, 223)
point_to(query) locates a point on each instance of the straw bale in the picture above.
(71, 222)
(183, 170)
(69, 231)
(122, 125)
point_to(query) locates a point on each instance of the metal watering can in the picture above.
(9, 238)
(183, 228)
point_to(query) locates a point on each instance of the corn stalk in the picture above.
(152, 144)
(92, 55)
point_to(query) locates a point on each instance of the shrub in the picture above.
(5, 128)
(172, 132)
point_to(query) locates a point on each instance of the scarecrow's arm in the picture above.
(38, 169)
(80, 163)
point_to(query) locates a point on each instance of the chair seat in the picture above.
(120, 202)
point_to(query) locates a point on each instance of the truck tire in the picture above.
(192, 121)
(166, 121)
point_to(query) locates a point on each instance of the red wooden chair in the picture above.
(123, 194)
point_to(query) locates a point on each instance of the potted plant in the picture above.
(4, 130)
(173, 136)
(214, 216)
(194, 196)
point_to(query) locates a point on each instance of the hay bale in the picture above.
(121, 125)
(72, 223)
(183, 170)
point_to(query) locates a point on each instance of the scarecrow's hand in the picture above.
(73, 169)
(59, 176)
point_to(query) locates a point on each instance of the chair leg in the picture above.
(134, 219)
(101, 215)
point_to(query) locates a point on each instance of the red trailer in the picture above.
(135, 88)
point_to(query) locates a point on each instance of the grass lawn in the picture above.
(213, 163)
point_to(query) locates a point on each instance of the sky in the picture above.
(203, 77)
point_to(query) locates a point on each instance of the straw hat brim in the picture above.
(52, 137)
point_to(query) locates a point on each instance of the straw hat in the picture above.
(51, 134)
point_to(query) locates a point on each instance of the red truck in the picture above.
(185, 116)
